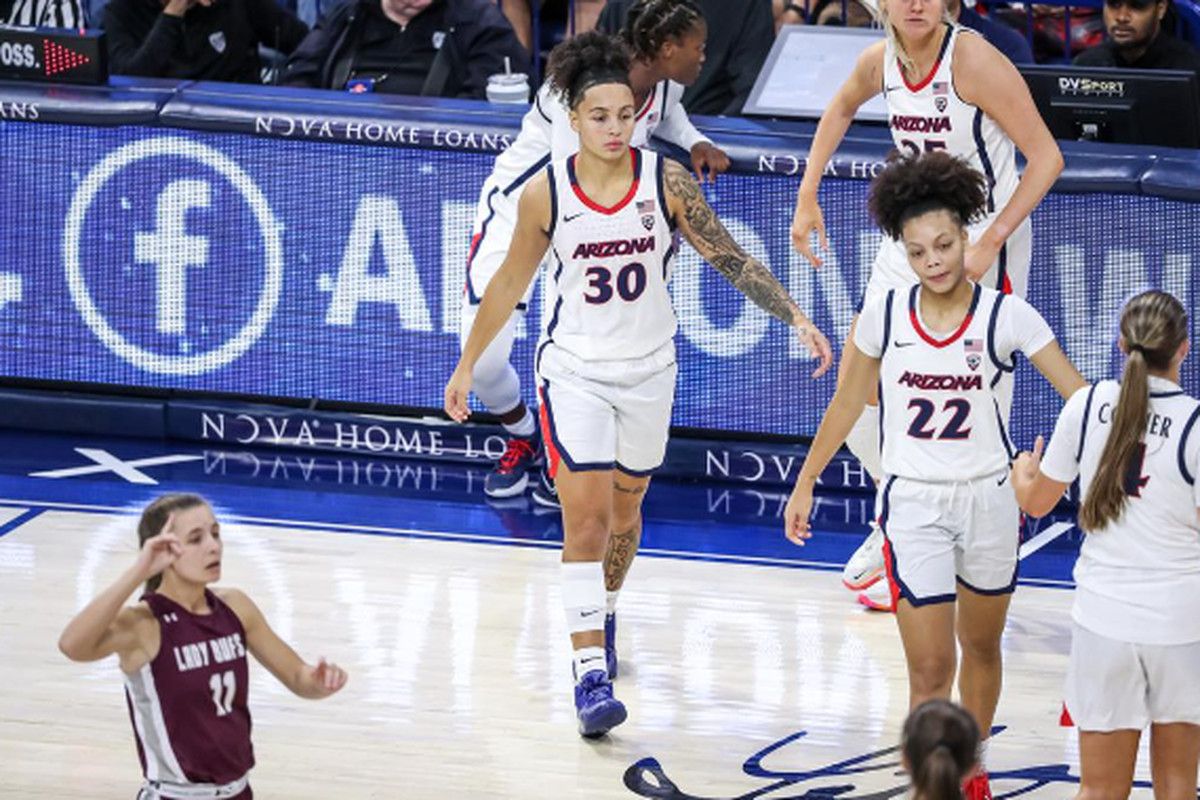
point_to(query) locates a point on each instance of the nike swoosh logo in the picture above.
(1002, 480)
(887, 89)
(570, 217)
(591, 613)
(903, 344)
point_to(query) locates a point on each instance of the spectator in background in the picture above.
(788, 13)
(739, 38)
(519, 14)
(1002, 37)
(829, 12)
(439, 48)
(44, 13)
(1136, 39)
(214, 40)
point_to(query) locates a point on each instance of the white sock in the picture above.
(610, 601)
(589, 659)
(863, 442)
(524, 427)
(984, 746)
(583, 595)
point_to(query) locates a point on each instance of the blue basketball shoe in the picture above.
(511, 474)
(610, 644)
(597, 709)
(545, 494)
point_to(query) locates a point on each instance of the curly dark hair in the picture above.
(912, 185)
(581, 62)
(650, 23)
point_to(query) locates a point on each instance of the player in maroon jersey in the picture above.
(182, 649)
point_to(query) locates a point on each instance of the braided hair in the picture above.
(649, 24)
(584, 61)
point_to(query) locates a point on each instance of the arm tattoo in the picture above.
(709, 237)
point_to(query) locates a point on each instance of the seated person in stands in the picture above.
(213, 40)
(1002, 37)
(1005, 39)
(1136, 39)
(521, 16)
(438, 48)
(44, 13)
(739, 38)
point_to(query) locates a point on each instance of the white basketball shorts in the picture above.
(600, 415)
(938, 536)
(1114, 685)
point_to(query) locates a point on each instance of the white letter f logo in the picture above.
(171, 249)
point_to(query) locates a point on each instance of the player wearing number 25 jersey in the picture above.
(936, 351)
(183, 649)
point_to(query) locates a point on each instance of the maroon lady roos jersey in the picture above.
(188, 705)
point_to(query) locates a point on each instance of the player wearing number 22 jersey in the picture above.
(937, 352)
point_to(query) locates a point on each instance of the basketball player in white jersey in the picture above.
(1135, 649)
(182, 649)
(946, 89)
(667, 37)
(606, 359)
(937, 350)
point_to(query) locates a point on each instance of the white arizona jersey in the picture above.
(931, 116)
(1138, 578)
(546, 134)
(609, 267)
(940, 416)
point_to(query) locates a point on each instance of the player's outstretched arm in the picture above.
(864, 82)
(1037, 495)
(704, 230)
(105, 626)
(1055, 367)
(312, 681)
(987, 78)
(504, 291)
(844, 409)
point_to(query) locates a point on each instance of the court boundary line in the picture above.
(29, 513)
(475, 538)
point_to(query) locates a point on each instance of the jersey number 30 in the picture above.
(630, 283)
(959, 410)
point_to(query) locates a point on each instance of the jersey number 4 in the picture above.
(224, 687)
(959, 410)
(1135, 481)
(630, 283)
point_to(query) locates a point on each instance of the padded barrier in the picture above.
(756, 146)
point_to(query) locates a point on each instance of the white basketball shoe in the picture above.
(865, 567)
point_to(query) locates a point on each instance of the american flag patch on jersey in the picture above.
(941, 87)
(974, 352)
(646, 209)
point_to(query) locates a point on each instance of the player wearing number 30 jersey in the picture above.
(183, 651)
(606, 360)
(937, 351)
